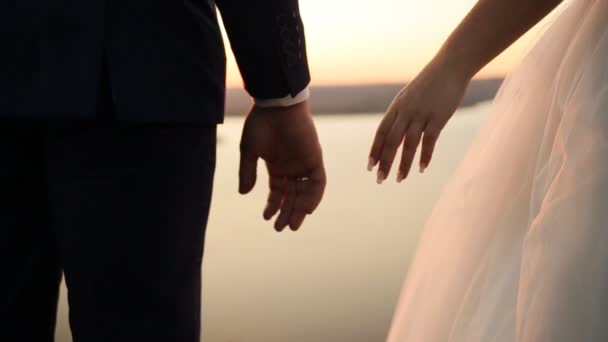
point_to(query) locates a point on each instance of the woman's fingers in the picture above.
(399, 123)
(431, 134)
(381, 134)
(410, 145)
(391, 145)
(414, 132)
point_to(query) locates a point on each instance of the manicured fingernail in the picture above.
(381, 177)
(422, 168)
(370, 164)
(400, 176)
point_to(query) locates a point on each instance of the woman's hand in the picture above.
(419, 112)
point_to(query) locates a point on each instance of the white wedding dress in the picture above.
(516, 249)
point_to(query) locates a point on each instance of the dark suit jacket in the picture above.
(165, 58)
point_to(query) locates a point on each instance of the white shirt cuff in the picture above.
(284, 101)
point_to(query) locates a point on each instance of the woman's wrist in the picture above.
(455, 64)
(451, 71)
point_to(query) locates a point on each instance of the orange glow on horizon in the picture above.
(383, 41)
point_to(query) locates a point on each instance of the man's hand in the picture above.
(287, 140)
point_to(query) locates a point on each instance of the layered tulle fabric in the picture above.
(517, 247)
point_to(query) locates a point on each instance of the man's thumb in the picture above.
(247, 173)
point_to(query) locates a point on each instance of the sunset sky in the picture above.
(382, 41)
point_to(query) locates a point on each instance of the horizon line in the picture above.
(373, 84)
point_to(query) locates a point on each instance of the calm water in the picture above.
(337, 279)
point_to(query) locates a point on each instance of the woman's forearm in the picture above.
(490, 27)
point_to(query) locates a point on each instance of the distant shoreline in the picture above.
(361, 99)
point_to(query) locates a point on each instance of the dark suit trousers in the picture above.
(121, 210)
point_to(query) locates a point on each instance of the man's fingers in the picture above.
(389, 150)
(286, 207)
(296, 220)
(275, 197)
(309, 194)
(247, 173)
(317, 188)
(431, 134)
(410, 145)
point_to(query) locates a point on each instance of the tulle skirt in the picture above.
(517, 247)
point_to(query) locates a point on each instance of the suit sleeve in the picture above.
(267, 38)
